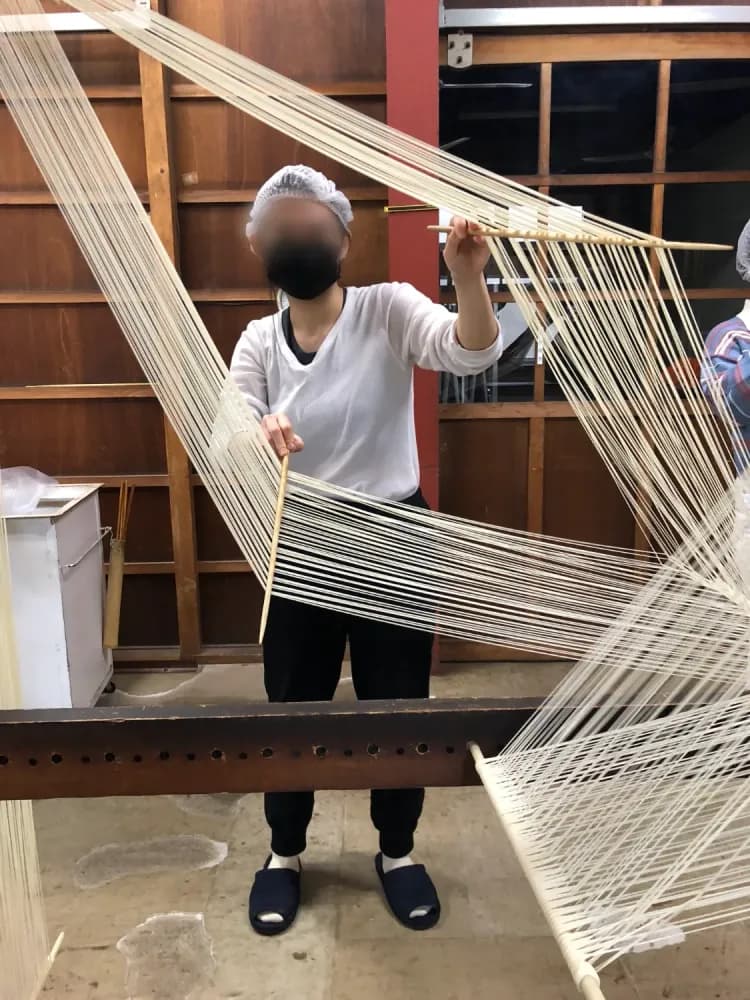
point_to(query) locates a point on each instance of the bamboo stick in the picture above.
(274, 545)
(544, 235)
(584, 975)
(114, 594)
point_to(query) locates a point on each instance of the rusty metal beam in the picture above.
(76, 753)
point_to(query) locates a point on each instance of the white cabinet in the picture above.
(57, 581)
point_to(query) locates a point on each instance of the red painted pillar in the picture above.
(411, 42)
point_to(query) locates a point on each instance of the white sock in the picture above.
(391, 864)
(278, 861)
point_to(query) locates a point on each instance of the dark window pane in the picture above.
(509, 379)
(706, 213)
(603, 117)
(709, 312)
(629, 204)
(490, 116)
(709, 115)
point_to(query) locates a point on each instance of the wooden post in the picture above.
(641, 535)
(411, 42)
(535, 471)
(162, 202)
(411, 49)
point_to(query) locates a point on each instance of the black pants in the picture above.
(303, 650)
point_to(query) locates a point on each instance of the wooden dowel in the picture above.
(544, 236)
(274, 545)
(590, 989)
(36, 992)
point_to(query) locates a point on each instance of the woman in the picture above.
(330, 378)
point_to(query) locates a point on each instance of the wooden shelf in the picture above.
(448, 297)
(64, 298)
(138, 657)
(111, 390)
(56, 297)
(231, 295)
(141, 480)
(190, 91)
(554, 409)
(504, 411)
(41, 197)
(653, 177)
(377, 192)
(186, 196)
(342, 88)
(166, 567)
(238, 296)
(231, 196)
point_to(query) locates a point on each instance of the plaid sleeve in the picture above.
(726, 373)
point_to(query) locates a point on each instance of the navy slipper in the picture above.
(275, 890)
(406, 889)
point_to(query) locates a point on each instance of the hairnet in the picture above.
(300, 182)
(743, 253)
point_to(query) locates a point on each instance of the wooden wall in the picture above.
(74, 403)
(73, 400)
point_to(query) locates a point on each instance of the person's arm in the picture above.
(242, 402)
(467, 257)
(428, 335)
(248, 372)
(726, 374)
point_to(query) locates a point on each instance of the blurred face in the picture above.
(301, 244)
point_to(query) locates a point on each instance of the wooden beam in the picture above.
(535, 476)
(447, 297)
(133, 658)
(335, 88)
(156, 127)
(661, 176)
(545, 117)
(502, 47)
(522, 411)
(231, 295)
(262, 296)
(146, 657)
(146, 750)
(376, 193)
(166, 567)
(45, 197)
(643, 504)
(190, 91)
(660, 157)
(141, 480)
(53, 297)
(244, 196)
(504, 411)
(114, 390)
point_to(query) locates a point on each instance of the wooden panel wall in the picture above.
(73, 400)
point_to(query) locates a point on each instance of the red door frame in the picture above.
(412, 66)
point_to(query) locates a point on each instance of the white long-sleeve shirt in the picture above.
(353, 405)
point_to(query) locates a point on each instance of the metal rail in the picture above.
(595, 16)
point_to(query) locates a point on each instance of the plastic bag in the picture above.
(21, 489)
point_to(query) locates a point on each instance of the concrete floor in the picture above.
(183, 932)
